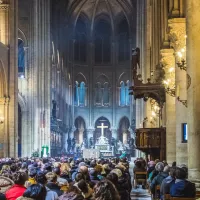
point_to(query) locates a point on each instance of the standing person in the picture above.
(18, 188)
(41, 179)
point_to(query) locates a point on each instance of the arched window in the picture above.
(82, 94)
(127, 93)
(21, 58)
(122, 94)
(124, 51)
(79, 94)
(98, 94)
(80, 46)
(106, 94)
(102, 42)
(76, 94)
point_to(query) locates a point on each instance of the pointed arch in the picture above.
(122, 101)
(127, 92)
(82, 94)
(21, 57)
(123, 131)
(123, 40)
(80, 46)
(102, 31)
(3, 83)
(106, 98)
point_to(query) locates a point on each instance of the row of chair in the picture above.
(142, 177)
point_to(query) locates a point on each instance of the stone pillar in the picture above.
(193, 70)
(81, 130)
(4, 23)
(178, 42)
(168, 62)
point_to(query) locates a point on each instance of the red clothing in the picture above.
(14, 192)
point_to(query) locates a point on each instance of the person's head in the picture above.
(82, 185)
(138, 164)
(41, 178)
(93, 164)
(113, 178)
(118, 172)
(79, 176)
(57, 171)
(166, 169)
(20, 178)
(105, 190)
(13, 167)
(159, 167)
(181, 173)
(165, 163)
(83, 169)
(174, 164)
(32, 172)
(36, 191)
(172, 172)
(51, 177)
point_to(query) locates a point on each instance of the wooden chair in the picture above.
(181, 198)
(197, 194)
(167, 197)
(140, 177)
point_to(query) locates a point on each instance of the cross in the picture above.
(102, 127)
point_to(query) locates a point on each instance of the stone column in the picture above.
(193, 70)
(168, 62)
(81, 130)
(178, 42)
(4, 23)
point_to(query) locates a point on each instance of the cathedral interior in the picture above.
(73, 71)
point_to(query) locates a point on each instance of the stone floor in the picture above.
(140, 194)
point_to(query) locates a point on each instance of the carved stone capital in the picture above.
(4, 6)
(177, 33)
(167, 58)
(4, 100)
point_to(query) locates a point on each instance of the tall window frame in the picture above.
(102, 42)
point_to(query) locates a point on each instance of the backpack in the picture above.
(189, 189)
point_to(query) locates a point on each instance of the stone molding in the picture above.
(4, 100)
(177, 33)
(4, 6)
(167, 58)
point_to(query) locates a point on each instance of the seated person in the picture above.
(182, 187)
(159, 178)
(168, 182)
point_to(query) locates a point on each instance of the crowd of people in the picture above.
(65, 179)
(169, 179)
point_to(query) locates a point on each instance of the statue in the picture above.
(113, 142)
(73, 143)
(54, 109)
(91, 142)
(68, 144)
(83, 145)
(135, 60)
(120, 146)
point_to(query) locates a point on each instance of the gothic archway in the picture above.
(79, 133)
(123, 132)
(97, 132)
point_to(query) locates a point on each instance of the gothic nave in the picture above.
(108, 76)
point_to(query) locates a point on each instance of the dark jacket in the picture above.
(166, 185)
(158, 181)
(123, 188)
(2, 196)
(54, 187)
(71, 196)
(183, 188)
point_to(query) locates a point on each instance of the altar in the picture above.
(102, 144)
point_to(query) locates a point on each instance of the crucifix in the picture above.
(102, 127)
